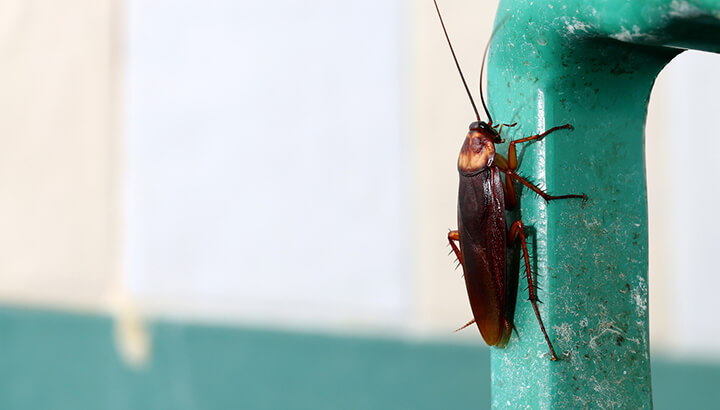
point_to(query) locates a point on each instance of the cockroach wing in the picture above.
(483, 238)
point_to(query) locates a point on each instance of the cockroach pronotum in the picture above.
(482, 231)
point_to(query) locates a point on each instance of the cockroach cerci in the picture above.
(482, 233)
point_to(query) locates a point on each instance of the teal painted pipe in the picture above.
(591, 64)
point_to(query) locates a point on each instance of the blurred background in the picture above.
(245, 205)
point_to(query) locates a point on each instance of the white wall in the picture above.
(267, 161)
(682, 148)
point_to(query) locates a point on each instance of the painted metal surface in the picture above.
(591, 64)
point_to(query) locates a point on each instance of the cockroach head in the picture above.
(478, 150)
(484, 128)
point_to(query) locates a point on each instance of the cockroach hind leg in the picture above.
(509, 329)
(514, 329)
(465, 325)
(517, 231)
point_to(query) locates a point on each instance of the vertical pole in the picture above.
(591, 64)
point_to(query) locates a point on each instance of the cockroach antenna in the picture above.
(482, 69)
(457, 64)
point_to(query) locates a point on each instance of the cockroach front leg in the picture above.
(517, 230)
(504, 125)
(509, 166)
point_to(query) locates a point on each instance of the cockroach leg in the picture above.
(510, 195)
(454, 236)
(517, 230)
(509, 166)
(543, 194)
(465, 325)
(508, 186)
(512, 155)
(506, 125)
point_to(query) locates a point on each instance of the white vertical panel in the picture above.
(267, 160)
(682, 196)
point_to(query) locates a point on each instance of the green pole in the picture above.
(591, 64)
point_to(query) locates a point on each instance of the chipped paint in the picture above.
(684, 9)
(639, 296)
(634, 34)
(574, 25)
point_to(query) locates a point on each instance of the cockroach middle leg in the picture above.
(517, 230)
(547, 197)
(509, 166)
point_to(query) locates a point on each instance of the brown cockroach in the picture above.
(482, 231)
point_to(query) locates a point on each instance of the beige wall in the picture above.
(59, 153)
(440, 116)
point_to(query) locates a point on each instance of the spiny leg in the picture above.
(509, 187)
(543, 194)
(509, 166)
(465, 325)
(454, 236)
(517, 230)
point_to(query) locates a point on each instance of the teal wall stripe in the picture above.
(69, 361)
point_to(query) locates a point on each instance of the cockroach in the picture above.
(482, 234)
